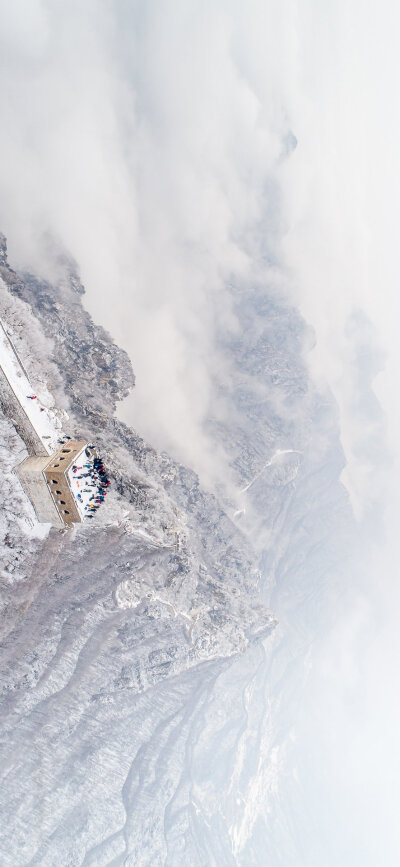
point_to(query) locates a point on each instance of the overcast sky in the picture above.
(146, 137)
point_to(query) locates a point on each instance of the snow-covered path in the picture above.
(42, 418)
(278, 454)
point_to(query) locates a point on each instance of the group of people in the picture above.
(96, 483)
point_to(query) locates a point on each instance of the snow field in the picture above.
(42, 417)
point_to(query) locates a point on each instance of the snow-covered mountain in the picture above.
(143, 671)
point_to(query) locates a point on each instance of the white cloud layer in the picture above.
(144, 138)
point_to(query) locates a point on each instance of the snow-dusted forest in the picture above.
(142, 663)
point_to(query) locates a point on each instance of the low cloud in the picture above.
(143, 140)
(149, 141)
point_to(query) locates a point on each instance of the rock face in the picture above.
(134, 650)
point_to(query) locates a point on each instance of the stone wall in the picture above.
(31, 475)
(17, 415)
(44, 479)
(56, 476)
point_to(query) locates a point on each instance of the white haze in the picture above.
(145, 137)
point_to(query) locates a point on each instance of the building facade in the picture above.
(46, 483)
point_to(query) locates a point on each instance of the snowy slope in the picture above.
(38, 408)
(147, 692)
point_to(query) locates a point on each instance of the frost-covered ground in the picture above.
(151, 709)
(37, 404)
